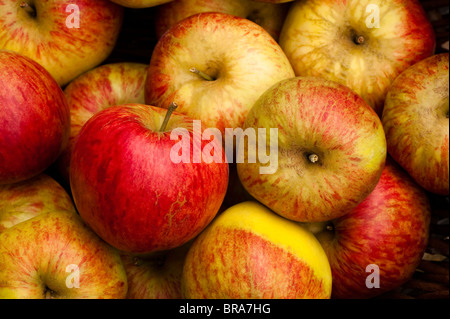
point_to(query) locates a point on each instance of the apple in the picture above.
(415, 119)
(129, 187)
(56, 256)
(138, 4)
(273, 1)
(67, 37)
(102, 87)
(364, 45)
(214, 66)
(249, 252)
(331, 149)
(387, 233)
(157, 276)
(24, 200)
(34, 118)
(268, 16)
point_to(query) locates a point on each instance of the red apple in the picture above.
(388, 232)
(67, 37)
(416, 123)
(34, 118)
(102, 87)
(129, 188)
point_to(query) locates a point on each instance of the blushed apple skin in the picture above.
(37, 195)
(390, 229)
(249, 252)
(127, 188)
(315, 116)
(318, 37)
(64, 52)
(34, 118)
(242, 56)
(268, 16)
(35, 254)
(416, 122)
(137, 4)
(102, 87)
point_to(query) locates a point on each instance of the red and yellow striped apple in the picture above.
(214, 66)
(102, 87)
(56, 256)
(388, 231)
(268, 16)
(416, 123)
(24, 200)
(34, 118)
(127, 186)
(364, 45)
(249, 252)
(331, 149)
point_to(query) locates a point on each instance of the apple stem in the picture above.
(28, 9)
(313, 158)
(359, 39)
(172, 108)
(202, 74)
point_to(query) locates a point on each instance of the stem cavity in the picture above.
(172, 108)
(201, 74)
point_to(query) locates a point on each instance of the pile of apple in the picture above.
(334, 204)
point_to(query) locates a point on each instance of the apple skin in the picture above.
(127, 188)
(319, 36)
(24, 200)
(35, 254)
(415, 119)
(34, 118)
(100, 88)
(64, 52)
(268, 16)
(249, 252)
(138, 4)
(390, 229)
(321, 117)
(241, 55)
(157, 276)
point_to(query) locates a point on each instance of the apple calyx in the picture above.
(359, 39)
(30, 9)
(170, 110)
(201, 74)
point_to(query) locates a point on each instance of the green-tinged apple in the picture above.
(331, 149)
(130, 185)
(415, 119)
(100, 88)
(138, 4)
(67, 37)
(378, 245)
(24, 200)
(268, 16)
(214, 66)
(157, 276)
(56, 256)
(249, 252)
(364, 45)
(34, 118)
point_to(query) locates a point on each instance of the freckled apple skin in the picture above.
(416, 122)
(242, 57)
(36, 254)
(102, 87)
(37, 195)
(34, 118)
(321, 117)
(249, 252)
(127, 188)
(64, 52)
(390, 229)
(268, 16)
(319, 39)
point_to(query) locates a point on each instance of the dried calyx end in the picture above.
(201, 74)
(29, 8)
(172, 108)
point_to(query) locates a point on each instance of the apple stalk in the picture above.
(28, 8)
(170, 110)
(202, 74)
